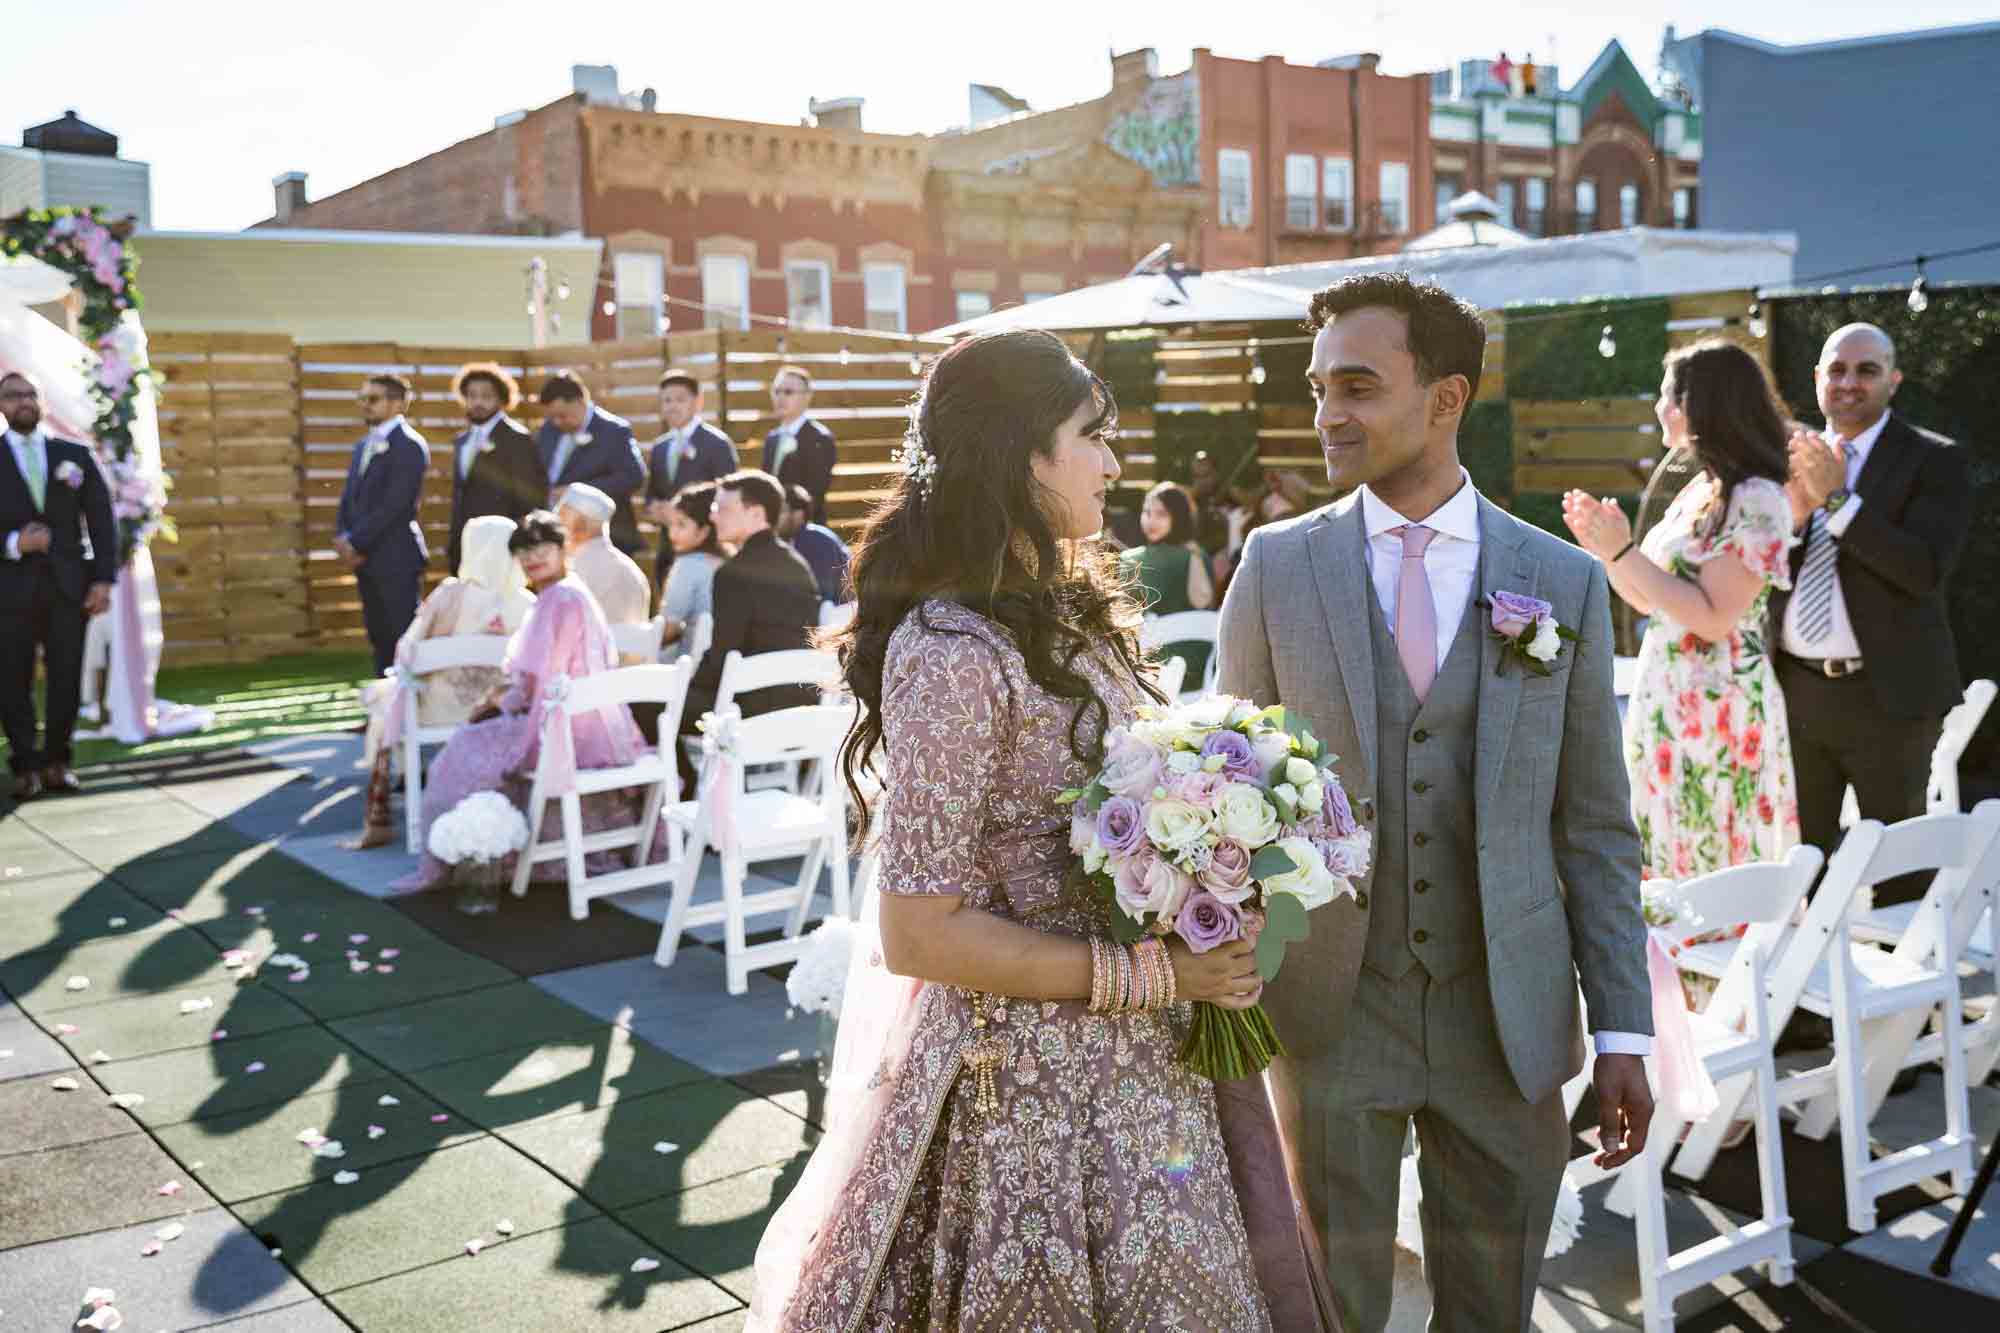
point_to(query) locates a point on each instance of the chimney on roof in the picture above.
(291, 192)
(649, 100)
(1134, 68)
(838, 113)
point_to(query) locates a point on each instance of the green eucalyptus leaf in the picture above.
(1270, 861)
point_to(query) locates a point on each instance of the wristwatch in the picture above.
(1835, 500)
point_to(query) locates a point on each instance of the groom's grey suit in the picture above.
(1506, 870)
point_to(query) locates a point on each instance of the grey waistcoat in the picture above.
(1425, 898)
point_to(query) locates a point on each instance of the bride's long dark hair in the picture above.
(978, 534)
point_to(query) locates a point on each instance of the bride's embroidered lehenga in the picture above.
(1098, 1195)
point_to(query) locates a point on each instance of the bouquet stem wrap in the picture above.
(1227, 1044)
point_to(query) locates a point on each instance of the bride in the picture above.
(1006, 1149)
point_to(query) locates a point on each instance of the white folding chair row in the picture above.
(443, 653)
(653, 770)
(1941, 793)
(1763, 898)
(769, 824)
(1158, 632)
(641, 641)
(1173, 673)
(1878, 1002)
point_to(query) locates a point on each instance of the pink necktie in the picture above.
(1416, 614)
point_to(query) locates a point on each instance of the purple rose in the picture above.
(1206, 921)
(1121, 825)
(1227, 874)
(1335, 810)
(1133, 767)
(1513, 612)
(1239, 758)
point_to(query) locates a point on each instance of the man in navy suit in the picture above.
(495, 469)
(376, 533)
(580, 441)
(799, 451)
(691, 451)
(50, 491)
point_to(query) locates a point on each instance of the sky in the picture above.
(220, 96)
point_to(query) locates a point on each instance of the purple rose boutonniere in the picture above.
(1527, 630)
(69, 474)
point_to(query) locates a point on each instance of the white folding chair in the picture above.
(641, 641)
(1173, 672)
(432, 656)
(1764, 898)
(770, 824)
(653, 770)
(1941, 795)
(698, 634)
(835, 615)
(1159, 632)
(762, 671)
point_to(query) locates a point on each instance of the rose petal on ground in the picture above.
(218, 1034)
(376, 1131)
(253, 911)
(391, 953)
(663, 1147)
(357, 939)
(346, 1177)
(116, 922)
(95, 1297)
(329, 1148)
(99, 1057)
(644, 1265)
(172, 1187)
(311, 1135)
(357, 964)
(300, 975)
(505, 1226)
(104, 1318)
(66, 1029)
(77, 983)
(64, 1085)
(439, 1118)
(309, 937)
(387, 1099)
(127, 1101)
(474, 1246)
(196, 1006)
(254, 1067)
(7, 1054)
(171, 1231)
(149, 1249)
(385, 967)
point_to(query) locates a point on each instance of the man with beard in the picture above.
(494, 466)
(376, 533)
(1866, 658)
(50, 491)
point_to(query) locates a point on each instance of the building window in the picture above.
(725, 291)
(1586, 205)
(1448, 189)
(971, 305)
(886, 296)
(1395, 197)
(808, 302)
(1628, 205)
(1233, 184)
(1301, 192)
(1337, 173)
(1684, 206)
(1504, 196)
(639, 288)
(1029, 298)
(1535, 220)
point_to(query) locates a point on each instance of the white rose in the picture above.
(1299, 772)
(1208, 713)
(1311, 795)
(1241, 711)
(1285, 794)
(1094, 857)
(1546, 643)
(1242, 813)
(1184, 761)
(1175, 826)
(1310, 882)
(1272, 749)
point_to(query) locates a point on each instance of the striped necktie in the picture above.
(1816, 583)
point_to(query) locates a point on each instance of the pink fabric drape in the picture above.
(1686, 1090)
(720, 780)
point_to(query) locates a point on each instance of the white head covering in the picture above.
(588, 501)
(493, 576)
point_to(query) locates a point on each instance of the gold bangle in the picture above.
(1100, 975)
(1162, 974)
(1173, 982)
(1126, 978)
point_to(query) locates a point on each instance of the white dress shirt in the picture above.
(475, 440)
(378, 439)
(1451, 563)
(1840, 641)
(35, 442)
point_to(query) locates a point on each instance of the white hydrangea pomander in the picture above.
(482, 828)
(818, 979)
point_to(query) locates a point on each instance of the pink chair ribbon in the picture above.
(719, 777)
(1686, 1090)
(558, 744)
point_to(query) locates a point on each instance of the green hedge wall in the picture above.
(1552, 351)
(1950, 359)
(1129, 365)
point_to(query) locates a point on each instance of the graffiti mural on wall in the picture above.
(1162, 133)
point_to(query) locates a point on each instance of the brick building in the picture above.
(1608, 152)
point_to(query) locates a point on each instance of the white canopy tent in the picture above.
(1172, 297)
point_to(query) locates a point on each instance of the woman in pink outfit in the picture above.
(564, 637)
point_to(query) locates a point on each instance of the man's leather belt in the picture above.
(1833, 668)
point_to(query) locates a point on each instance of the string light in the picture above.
(562, 291)
(1920, 291)
(665, 324)
(845, 355)
(1607, 345)
(1758, 326)
(531, 307)
(609, 308)
(916, 364)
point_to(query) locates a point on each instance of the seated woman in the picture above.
(489, 596)
(564, 636)
(1169, 573)
(690, 589)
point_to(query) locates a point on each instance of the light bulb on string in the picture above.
(609, 308)
(1607, 345)
(845, 355)
(1160, 375)
(1257, 373)
(1920, 290)
(1759, 326)
(562, 291)
(531, 307)
(665, 324)
(916, 364)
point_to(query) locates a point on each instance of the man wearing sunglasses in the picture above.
(376, 533)
(799, 451)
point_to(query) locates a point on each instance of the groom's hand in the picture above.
(1624, 1108)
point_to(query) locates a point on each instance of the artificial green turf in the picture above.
(714, 1228)
(63, 911)
(128, 1029)
(191, 1084)
(145, 962)
(575, 1278)
(409, 1213)
(575, 1073)
(462, 1027)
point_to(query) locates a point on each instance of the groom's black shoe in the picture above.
(61, 780)
(27, 786)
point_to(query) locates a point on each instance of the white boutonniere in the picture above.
(69, 474)
(1527, 629)
(580, 439)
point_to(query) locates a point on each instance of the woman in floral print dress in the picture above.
(1706, 743)
(990, 652)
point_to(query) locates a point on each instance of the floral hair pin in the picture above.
(918, 463)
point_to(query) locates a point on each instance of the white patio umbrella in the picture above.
(1175, 296)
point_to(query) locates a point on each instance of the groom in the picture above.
(1506, 865)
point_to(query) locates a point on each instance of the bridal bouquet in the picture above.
(1215, 822)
